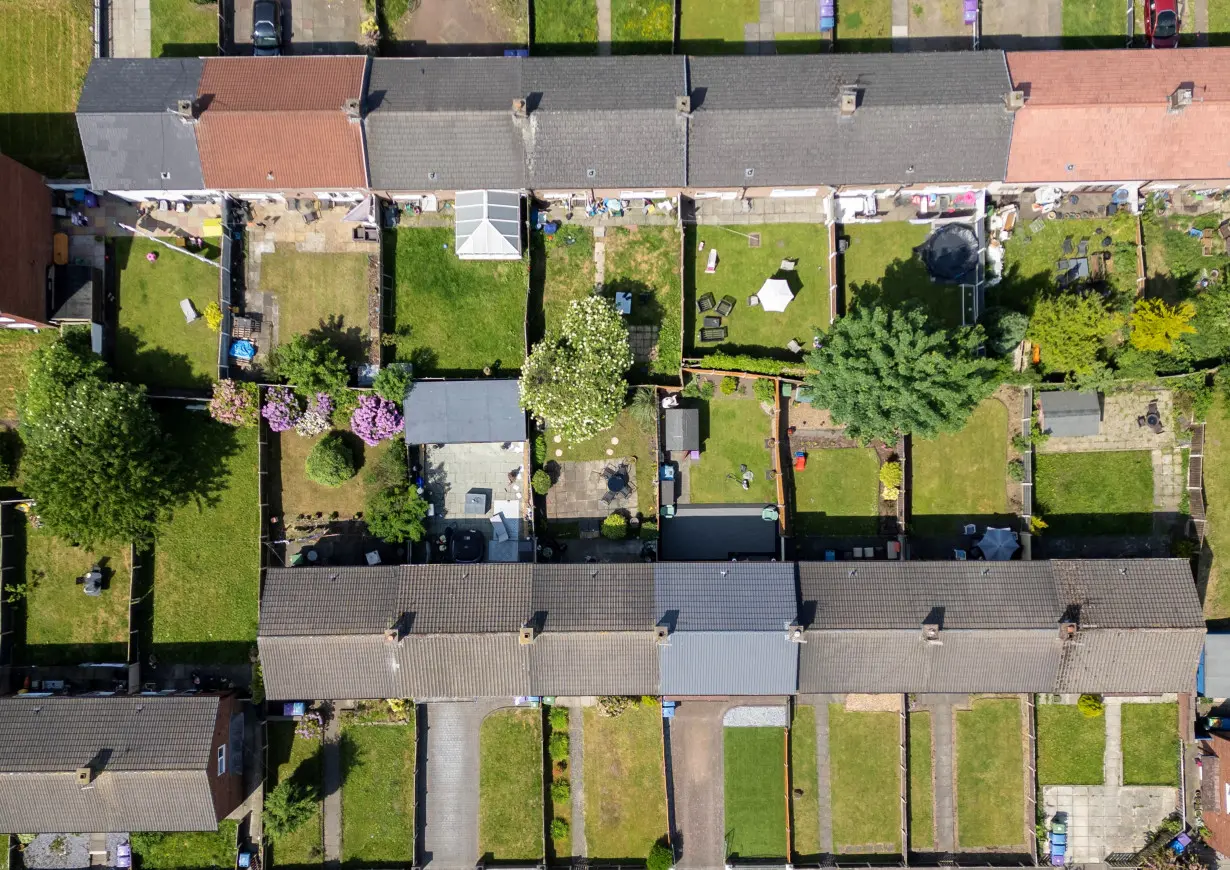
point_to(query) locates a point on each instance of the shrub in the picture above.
(312, 365)
(561, 790)
(395, 514)
(649, 531)
(235, 403)
(540, 450)
(316, 419)
(559, 829)
(691, 390)
(281, 409)
(1037, 525)
(726, 362)
(706, 390)
(1016, 470)
(615, 527)
(1022, 443)
(729, 385)
(541, 482)
(890, 475)
(891, 493)
(557, 747)
(392, 383)
(558, 717)
(644, 406)
(1091, 706)
(331, 463)
(765, 390)
(389, 470)
(376, 419)
(612, 705)
(1005, 329)
(213, 316)
(288, 806)
(660, 857)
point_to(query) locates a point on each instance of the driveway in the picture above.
(461, 28)
(697, 764)
(1017, 25)
(308, 26)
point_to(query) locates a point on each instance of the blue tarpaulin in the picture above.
(243, 349)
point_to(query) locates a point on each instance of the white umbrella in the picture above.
(775, 295)
(998, 545)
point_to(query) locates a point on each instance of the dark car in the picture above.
(266, 28)
(1162, 24)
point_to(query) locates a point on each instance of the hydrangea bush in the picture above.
(281, 409)
(316, 419)
(234, 404)
(375, 420)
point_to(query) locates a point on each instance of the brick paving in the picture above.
(578, 490)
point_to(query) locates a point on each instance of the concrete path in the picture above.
(901, 25)
(450, 830)
(1199, 11)
(942, 709)
(130, 28)
(824, 788)
(576, 778)
(1112, 756)
(604, 26)
(697, 761)
(331, 755)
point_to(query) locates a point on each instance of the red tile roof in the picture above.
(281, 116)
(25, 241)
(1102, 115)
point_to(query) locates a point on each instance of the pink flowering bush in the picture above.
(315, 420)
(234, 404)
(375, 419)
(281, 409)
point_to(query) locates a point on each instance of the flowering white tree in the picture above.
(573, 379)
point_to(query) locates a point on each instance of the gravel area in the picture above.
(66, 851)
(874, 703)
(755, 717)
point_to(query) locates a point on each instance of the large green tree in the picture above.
(1073, 331)
(885, 372)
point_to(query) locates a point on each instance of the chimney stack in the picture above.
(849, 101)
(518, 109)
(186, 109)
(526, 636)
(352, 109)
(931, 633)
(1181, 98)
(662, 633)
(683, 105)
(1015, 101)
(85, 775)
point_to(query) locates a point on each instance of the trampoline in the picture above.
(950, 254)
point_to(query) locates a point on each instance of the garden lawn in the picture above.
(293, 756)
(879, 268)
(642, 26)
(1215, 561)
(326, 292)
(187, 851)
(1070, 746)
(742, 270)
(634, 440)
(1219, 22)
(990, 775)
(65, 626)
(1094, 24)
(732, 433)
(865, 763)
(206, 556)
(1151, 744)
(962, 477)
(1175, 261)
(647, 262)
(378, 795)
(921, 786)
(755, 792)
(563, 268)
(183, 28)
(565, 26)
(48, 46)
(510, 811)
(1030, 258)
(804, 779)
(1107, 493)
(625, 786)
(864, 25)
(301, 496)
(154, 345)
(16, 345)
(715, 26)
(838, 493)
(463, 314)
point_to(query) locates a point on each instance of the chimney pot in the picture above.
(518, 108)
(849, 101)
(352, 109)
(186, 109)
(683, 105)
(1015, 100)
(931, 632)
(85, 775)
(662, 633)
(526, 636)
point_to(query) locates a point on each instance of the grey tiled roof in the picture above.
(329, 600)
(729, 663)
(164, 800)
(594, 663)
(116, 733)
(598, 597)
(1130, 593)
(487, 597)
(725, 596)
(1144, 661)
(312, 667)
(134, 85)
(464, 666)
(931, 116)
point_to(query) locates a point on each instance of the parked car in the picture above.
(266, 28)
(1162, 24)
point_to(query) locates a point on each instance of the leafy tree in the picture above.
(331, 462)
(885, 372)
(1211, 339)
(1156, 326)
(291, 803)
(1005, 329)
(574, 378)
(660, 857)
(392, 383)
(53, 369)
(396, 514)
(1072, 330)
(312, 365)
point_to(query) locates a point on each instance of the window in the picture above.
(221, 759)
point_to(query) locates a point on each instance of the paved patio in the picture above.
(1120, 430)
(578, 490)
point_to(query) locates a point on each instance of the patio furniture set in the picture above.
(711, 325)
(617, 483)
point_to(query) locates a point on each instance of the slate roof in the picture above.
(597, 597)
(465, 599)
(329, 600)
(729, 663)
(725, 596)
(1130, 593)
(1135, 660)
(921, 117)
(464, 412)
(718, 532)
(1068, 414)
(1103, 116)
(588, 663)
(129, 129)
(682, 429)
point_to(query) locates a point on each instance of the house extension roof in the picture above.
(1103, 115)
(150, 756)
(282, 117)
(717, 531)
(921, 117)
(464, 412)
(25, 241)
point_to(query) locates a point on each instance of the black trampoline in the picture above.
(950, 254)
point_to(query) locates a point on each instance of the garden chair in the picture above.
(607, 497)
(753, 301)
(726, 306)
(705, 303)
(716, 333)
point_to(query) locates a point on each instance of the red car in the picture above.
(1162, 24)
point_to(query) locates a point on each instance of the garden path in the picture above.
(130, 27)
(576, 776)
(943, 709)
(820, 703)
(604, 26)
(331, 758)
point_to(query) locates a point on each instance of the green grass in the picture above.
(642, 26)
(48, 47)
(1070, 746)
(921, 786)
(563, 268)
(292, 755)
(16, 345)
(1216, 563)
(803, 778)
(64, 625)
(755, 792)
(990, 775)
(625, 784)
(565, 26)
(1108, 493)
(303, 496)
(647, 261)
(838, 493)
(463, 314)
(879, 268)
(1175, 261)
(183, 28)
(742, 270)
(864, 25)
(326, 292)
(865, 762)
(510, 811)
(732, 433)
(715, 26)
(378, 795)
(1219, 22)
(962, 477)
(1030, 257)
(634, 440)
(206, 560)
(1150, 744)
(154, 345)
(186, 851)
(1094, 24)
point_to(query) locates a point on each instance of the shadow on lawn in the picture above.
(349, 340)
(44, 141)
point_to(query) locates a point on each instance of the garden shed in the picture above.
(488, 225)
(464, 412)
(682, 429)
(1068, 415)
